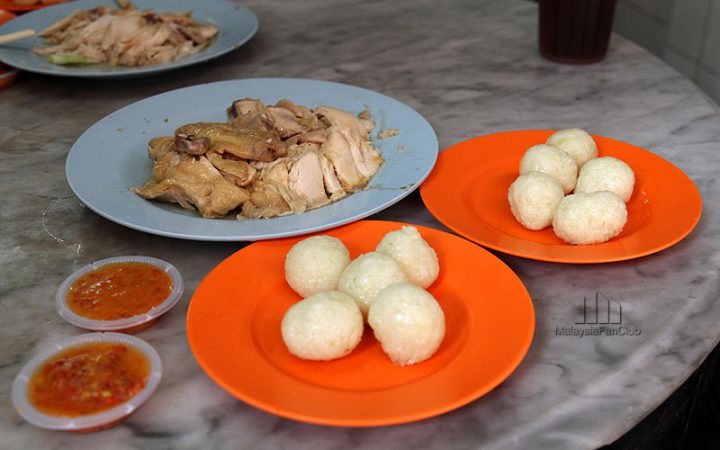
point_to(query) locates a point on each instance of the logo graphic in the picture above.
(607, 311)
(601, 316)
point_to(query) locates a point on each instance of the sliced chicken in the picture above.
(263, 204)
(304, 115)
(298, 149)
(245, 106)
(166, 164)
(199, 33)
(245, 143)
(119, 29)
(159, 146)
(332, 185)
(284, 121)
(305, 180)
(366, 158)
(135, 51)
(276, 177)
(315, 136)
(192, 145)
(343, 119)
(338, 149)
(62, 24)
(124, 36)
(269, 160)
(237, 171)
(194, 181)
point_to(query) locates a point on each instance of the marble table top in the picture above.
(471, 68)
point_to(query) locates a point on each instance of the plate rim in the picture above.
(243, 237)
(423, 414)
(9, 6)
(436, 212)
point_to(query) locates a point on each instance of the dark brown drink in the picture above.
(575, 31)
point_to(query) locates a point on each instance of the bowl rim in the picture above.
(119, 324)
(32, 415)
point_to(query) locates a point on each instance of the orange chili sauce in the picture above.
(118, 291)
(88, 378)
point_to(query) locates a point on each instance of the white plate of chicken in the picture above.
(123, 38)
(252, 159)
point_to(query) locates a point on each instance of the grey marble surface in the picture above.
(470, 67)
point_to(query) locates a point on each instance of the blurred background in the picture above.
(684, 33)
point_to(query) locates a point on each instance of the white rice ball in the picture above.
(533, 198)
(369, 274)
(589, 218)
(576, 143)
(417, 259)
(324, 326)
(408, 322)
(315, 264)
(552, 161)
(607, 174)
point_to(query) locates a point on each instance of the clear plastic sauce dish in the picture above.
(87, 382)
(124, 293)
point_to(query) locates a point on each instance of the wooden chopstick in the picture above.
(16, 36)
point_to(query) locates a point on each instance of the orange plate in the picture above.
(233, 327)
(5, 16)
(8, 5)
(467, 191)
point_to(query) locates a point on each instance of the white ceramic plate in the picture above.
(237, 25)
(111, 156)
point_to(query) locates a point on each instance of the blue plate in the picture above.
(237, 25)
(111, 156)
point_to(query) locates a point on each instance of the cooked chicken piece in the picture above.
(192, 145)
(355, 160)
(258, 165)
(298, 149)
(340, 118)
(45, 51)
(95, 32)
(119, 29)
(89, 52)
(62, 24)
(244, 143)
(183, 19)
(255, 121)
(288, 158)
(237, 171)
(165, 164)
(263, 203)
(304, 115)
(159, 146)
(315, 137)
(124, 36)
(186, 49)
(248, 113)
(245, 106)
(366, 158)
(191, 181)
(162, 54)
(199, 34)
(276, 177)
(135, 50)
(388, 133)
(337, 150)
(332, 186)
(284, 121)
(306, 180)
